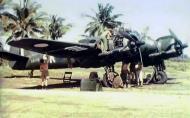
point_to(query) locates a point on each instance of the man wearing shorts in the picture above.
(44, 72)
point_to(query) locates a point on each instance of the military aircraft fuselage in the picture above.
(126, 47)
(88, 61)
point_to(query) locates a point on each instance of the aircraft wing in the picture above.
(55, 48)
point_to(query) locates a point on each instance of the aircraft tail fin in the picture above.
(16, 61)
(11, 56)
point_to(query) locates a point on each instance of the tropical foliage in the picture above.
(24, 21)
(56, 28)
(103, 23)
(4, 4)
(102, 20)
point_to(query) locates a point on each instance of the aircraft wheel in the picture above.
(160, 78)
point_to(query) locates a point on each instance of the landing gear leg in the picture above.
(31, 73)
(159, 77)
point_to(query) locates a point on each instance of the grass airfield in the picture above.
(20, 97)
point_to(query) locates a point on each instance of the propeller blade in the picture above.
(184, 46)
(127, 35)
(1, 46)
(177, 39)
(173, 34)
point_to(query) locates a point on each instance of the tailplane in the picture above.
(16, 61)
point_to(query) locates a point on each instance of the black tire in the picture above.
(160, 78)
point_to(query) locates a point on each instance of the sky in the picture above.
(158, 15)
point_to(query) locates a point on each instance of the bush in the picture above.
(5, 71)
(178, 66)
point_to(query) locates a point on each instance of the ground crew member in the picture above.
(44, 72)
(125, 74)
(137, 73)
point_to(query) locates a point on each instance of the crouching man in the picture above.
(44, 72)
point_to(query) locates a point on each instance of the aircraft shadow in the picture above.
(171, 78)
(20, 76)
(59, 85)
(173, 83)
(23, 76)
(170, 82)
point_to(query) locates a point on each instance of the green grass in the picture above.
(169, 100)
(172, 67)
(61, 104)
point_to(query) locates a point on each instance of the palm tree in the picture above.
(56, 27)
(1, 48)
(1, 28)
(4, 4)
(24, 22)
(102, 22)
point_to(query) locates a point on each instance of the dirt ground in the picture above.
(21, 97)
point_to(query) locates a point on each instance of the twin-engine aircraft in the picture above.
(125, 46)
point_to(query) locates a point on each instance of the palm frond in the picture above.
(25, 21)
(9, 16)
(102, 19)
(56, 27)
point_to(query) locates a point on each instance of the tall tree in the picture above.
(102, 22)
(24, 21)
(1, 48)
(4, 4)
(1, 28)
(56, 28)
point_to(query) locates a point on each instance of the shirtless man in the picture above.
(44, 72)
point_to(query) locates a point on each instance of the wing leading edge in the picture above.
(55, 48)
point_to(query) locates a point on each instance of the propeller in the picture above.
(1, 46)
(182, 46)
(134, 41)
(178, 44)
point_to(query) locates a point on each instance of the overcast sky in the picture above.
(158, 15)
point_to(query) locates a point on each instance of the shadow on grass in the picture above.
(171, 78)
(173, 83)
(72, 84)
(21, 76)
(170, 82)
